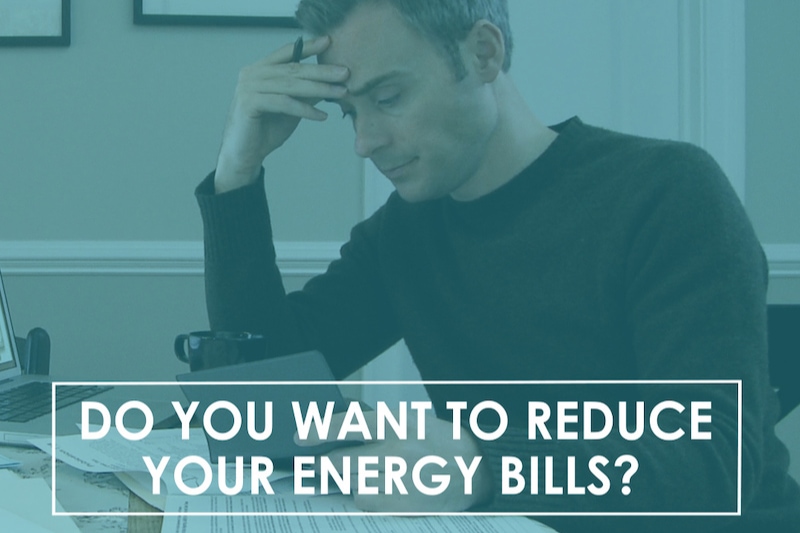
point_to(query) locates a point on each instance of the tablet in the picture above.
(279, 446)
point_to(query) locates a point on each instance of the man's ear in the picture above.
(485, 49)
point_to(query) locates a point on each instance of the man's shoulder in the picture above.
(634, 161)
(602, 144)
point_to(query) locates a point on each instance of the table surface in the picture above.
(143, 524)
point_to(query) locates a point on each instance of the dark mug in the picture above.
(209, 349)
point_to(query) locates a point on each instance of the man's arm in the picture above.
(244, 291)
(344, 313)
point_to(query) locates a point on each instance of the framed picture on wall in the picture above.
(276, 13)
(34, 22)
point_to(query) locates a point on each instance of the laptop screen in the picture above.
(8, 348)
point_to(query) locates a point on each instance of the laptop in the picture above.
(26, 399)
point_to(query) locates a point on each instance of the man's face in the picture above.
(426, 131)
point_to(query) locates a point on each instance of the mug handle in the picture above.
(180, 344)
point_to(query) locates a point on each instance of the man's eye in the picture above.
(388, 101)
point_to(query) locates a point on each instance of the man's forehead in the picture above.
(372, 32)
(374, 43)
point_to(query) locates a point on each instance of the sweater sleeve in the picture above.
(695, 290)
(341, 313)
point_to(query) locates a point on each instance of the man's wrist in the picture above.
(230, 176)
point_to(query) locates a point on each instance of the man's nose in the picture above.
(371, 136)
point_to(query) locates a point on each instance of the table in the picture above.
(142, 524)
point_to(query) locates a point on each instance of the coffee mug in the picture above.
(209, 349)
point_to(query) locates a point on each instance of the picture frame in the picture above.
(272, 13)
(35, 23)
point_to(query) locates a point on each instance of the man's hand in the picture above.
(438, 441)
(271, 97)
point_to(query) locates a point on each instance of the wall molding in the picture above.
(143, 258)
(784, 260)
(185, 258)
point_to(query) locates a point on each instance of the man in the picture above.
(510, 251)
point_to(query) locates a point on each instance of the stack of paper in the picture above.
(230, 517)
(213, 511)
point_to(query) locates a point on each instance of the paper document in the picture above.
(322, 524)
(141, 483)
(12, 522)
(116, 454)
(25, 503)
(5, 462)
(75, 491)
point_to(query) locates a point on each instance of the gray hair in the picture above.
(444, 22)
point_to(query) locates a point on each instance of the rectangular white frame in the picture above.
(738, 383)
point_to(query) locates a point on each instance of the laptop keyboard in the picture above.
(33, 399)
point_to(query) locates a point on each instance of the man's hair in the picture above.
(444, 22)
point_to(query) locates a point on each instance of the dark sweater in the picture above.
(610, 257)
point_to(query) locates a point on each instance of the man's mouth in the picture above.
(394, 172)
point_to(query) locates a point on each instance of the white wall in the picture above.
(101, 146)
